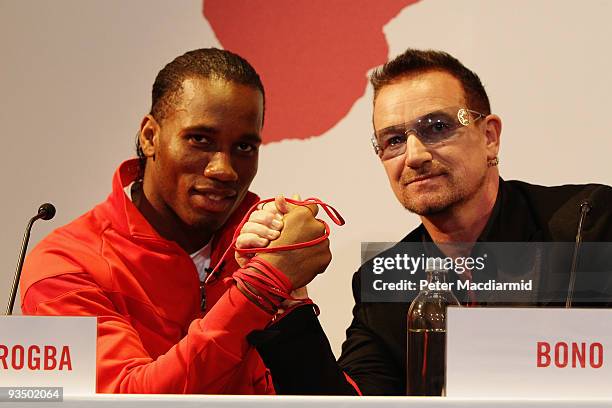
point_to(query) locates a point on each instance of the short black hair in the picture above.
(210, 63)
(414, 61)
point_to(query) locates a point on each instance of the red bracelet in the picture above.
(267, 306)
(271, 284)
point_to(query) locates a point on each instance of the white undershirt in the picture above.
(200, 258)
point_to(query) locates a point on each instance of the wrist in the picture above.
(278, 262)
(263, 284)
(253, 295)
(277, 300)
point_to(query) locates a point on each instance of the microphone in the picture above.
(585, 207)
(45, 212)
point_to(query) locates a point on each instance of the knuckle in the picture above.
(253, 229)
(265, 217)
(258, 229)
(257, 216)
(240, 242)
(246, 228)
(270, 217)
(270, 209)
(302, 211)
(252, 239)
(314, 209)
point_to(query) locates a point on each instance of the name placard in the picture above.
(37, 351)
(529, 352)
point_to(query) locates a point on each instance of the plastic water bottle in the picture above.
(427, 335)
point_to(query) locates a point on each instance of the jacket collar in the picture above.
(512, 218)
(128, 220)
(510, 206)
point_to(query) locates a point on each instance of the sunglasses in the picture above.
(432, 128)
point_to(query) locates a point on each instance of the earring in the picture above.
(493, 162)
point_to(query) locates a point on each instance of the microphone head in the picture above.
(46, 211)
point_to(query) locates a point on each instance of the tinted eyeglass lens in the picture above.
(436, 128)
(429, 129)
(393, 144)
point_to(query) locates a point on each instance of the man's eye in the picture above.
(394, 140)
(433, 131)
(439, 126)
(246, 147)
(199, 139)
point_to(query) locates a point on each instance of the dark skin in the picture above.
(201, 159)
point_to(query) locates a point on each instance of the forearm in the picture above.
(206, 359)
(298, 354)
(213, 351)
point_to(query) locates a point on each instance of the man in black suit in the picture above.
(438, 142)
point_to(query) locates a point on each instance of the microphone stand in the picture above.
(585, 207)
(46, 212)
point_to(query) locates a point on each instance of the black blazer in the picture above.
(298, 353)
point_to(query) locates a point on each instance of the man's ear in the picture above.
(149, 136)
(492, 132)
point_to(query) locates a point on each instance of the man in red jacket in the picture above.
(139, 260)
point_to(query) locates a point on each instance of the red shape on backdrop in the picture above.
(312, 55)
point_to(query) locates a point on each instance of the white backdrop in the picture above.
(75, 80)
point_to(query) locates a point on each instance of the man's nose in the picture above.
(417, 153)
(220, 167)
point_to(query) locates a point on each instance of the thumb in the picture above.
(314, 208)
(281, 204)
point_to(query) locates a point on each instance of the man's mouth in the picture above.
(216, 197)
(213, 199)
(421, 178)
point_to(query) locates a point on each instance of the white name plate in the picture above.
(37, 351)
(529, 352)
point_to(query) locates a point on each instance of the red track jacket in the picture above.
(152, 336)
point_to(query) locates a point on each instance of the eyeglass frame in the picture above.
(462, 116)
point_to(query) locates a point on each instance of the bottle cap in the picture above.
(434, 264)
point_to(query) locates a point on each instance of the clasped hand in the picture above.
(281, 223)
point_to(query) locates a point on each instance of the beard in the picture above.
(447, 193)
(434, 204)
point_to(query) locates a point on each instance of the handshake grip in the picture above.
(333, 214)
(289, 262)
(302, 249)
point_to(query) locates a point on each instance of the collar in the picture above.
(512, 219)
(128, 220)
(502, 226)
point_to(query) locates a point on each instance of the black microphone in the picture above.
(45, 212)
(585, 207)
